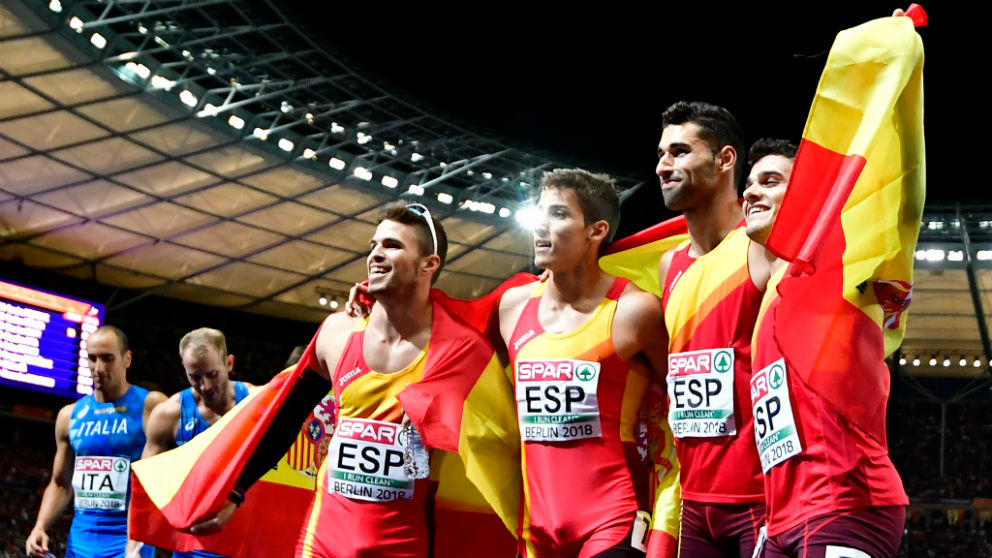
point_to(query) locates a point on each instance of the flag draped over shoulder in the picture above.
(178, 488)
(850, 219)
(636, 257)
(463, 404)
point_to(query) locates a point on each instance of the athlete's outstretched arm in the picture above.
(58, 493)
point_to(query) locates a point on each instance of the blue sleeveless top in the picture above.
(191, 422)
(106, 438)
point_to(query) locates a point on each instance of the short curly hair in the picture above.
(597, 194)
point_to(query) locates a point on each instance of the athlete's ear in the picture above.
(431, 264)
(726, 158)
(598, 230)
(230, 362)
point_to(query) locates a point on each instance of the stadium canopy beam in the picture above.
(976, 297)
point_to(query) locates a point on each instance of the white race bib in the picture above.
(366, 461)
(556, 399)
(100, 482)
(774, 424)
(701, 393)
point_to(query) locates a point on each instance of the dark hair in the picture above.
(401, 213)
(122, 341)
(771, 146)
(718, 127)
(597, 194)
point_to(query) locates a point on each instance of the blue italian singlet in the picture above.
(191, 423)
(106, 438)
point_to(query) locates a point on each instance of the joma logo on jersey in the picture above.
(369, 432)
(555, 370)
(700, 362)
(95, 464)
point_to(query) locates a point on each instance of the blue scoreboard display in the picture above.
(43, 340)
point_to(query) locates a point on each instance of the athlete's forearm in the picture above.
(53, 504)
(310, 388)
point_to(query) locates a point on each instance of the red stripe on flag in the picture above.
(821, 182)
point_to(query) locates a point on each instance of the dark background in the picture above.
(588, 85)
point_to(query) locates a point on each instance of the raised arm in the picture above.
(59, 492)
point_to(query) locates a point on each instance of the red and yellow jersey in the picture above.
(577, 404)
(711, 305)
(366, 502)
(816, 462)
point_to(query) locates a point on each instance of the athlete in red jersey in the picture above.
(711, 301)
(374, 496)
(830, 488)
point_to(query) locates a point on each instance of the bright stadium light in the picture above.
(947, 362)
(159, 82)
(963, 362)
(389, 181)
(916, 361)
(416, 189)
(363, 173)
(504, 212)
(935, 255)
(528, 216)
(921, 255)
(236, 122)
(260, 134)
(188, 98)
(309, 153)
(55, 6)
(98, 40)
(933, 361)
(984, 255)
(955, 256)
(286, 145)
(416, 157)
(977, 363)
(902, 361)
(76, 24)
(445, 197)
(336, 164)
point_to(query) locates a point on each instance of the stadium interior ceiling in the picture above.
(210, 151)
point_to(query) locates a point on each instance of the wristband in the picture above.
(237, 495)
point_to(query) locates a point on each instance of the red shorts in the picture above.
(719, 530)
(874, 532)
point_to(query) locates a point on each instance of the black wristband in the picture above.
(237, 495)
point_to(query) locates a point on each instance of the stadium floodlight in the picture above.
(98, 40)
(334, 303)
(921, 255)
(363, 138)
(902, 361)
(935, 255)
(188, 98)
(416, 157)
(336, 128)
(445, 197)
(55, 6)
(984, 255)
(416, 189)
(76, 24)
(916, 361)
(363, 173)
(260, 134)
(236, 122)
(947, 362)
(504, 212)
(977, 363)
(139, 69)
(389, 181)
(963, 362)
(322, 300)
(286, 144)
(309, 153)
(160, 82)
(933, 361)
(487, 175)
(336, 164)
(955, 256)
(528, 216)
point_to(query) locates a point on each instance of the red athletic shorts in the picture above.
(719, 530)
(874, 532)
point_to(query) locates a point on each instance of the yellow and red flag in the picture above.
(463, 404)
(851, 216)
(636, 257)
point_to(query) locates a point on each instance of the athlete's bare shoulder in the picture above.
(332, 339)
(511, 305)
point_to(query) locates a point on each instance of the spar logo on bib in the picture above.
(776, 375)
(701, 362)
(555, 371)
(120, 465)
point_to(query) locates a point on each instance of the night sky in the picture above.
(588, 86)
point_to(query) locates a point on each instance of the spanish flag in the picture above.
(636, 257)
(463, 404)
(851, 216)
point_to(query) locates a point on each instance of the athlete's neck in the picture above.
(573, 287)
(103, 396)
(408, 319)
(709, 224)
